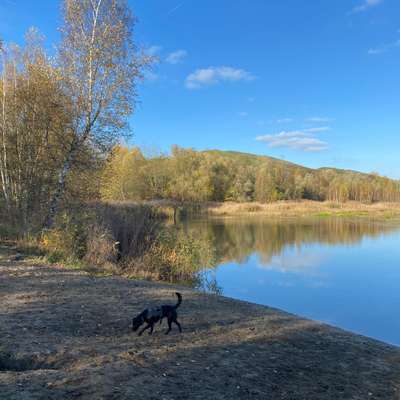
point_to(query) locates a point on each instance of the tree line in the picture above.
(61, 114)
(187, 175)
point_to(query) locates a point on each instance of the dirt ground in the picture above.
(66, 335)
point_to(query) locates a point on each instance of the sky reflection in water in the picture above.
(343, 272)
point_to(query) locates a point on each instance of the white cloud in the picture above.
(150, 76)
(213, 75)
(243, 114)
(319, 119)
(298, 262)
(377, 50)
(295, 140)
(384, 48)
(284, 120)
(367, 4)
(153, 50)
(12, 3)
(318, 129)
(176, 57)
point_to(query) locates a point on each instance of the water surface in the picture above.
(341, 271)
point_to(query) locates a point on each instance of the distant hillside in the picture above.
(256, 160)
(214, 175)
(251, 159)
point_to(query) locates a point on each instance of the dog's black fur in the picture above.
(151, 316)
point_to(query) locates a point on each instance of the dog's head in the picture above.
(137, 322)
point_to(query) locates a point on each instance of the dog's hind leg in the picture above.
(169, 326)
(151, 329)
(175, 321)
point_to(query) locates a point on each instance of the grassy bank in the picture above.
(305, 208)
(67, 335)
(279, 209)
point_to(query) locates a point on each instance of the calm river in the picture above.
(345, 272)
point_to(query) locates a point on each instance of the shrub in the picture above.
(101, 233)
(128, 239)
(67, 240)
(133, 227)
(177, 256)
(252, 208)
(8, 232)
(101, 247)
(332, 204)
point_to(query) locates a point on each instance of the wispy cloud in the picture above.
(213, 75)
(153, 50)
(176, 57)
(319, 119)
(384, 48)
(243, 114)
(318, 129)
(177, 7)
(284, 120)
(10, 2)
(150, 76)
(295, 140)
(367, 4)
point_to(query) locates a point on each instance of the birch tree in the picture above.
(100, 66)
(3, 150)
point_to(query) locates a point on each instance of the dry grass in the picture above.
(128, 239)
(279, 209)
(305, 208)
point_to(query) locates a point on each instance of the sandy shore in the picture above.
(66, 335)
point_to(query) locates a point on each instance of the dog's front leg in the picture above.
(146, 327)
(151, 329)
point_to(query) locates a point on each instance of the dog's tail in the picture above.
(179, 300)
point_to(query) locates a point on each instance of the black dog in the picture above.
(153, 315)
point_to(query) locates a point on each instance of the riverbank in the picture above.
(305, 208)
(65, 335)
(277, 209)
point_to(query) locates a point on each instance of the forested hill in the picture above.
(257, 160)
(250, 159)
(213, 175)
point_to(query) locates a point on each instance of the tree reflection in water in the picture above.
(236, 239)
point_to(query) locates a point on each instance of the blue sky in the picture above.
(314, 82)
